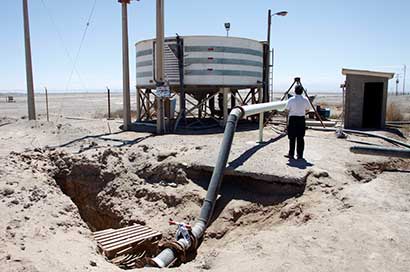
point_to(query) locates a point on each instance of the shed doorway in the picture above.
(372, 104)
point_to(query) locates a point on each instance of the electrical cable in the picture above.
(63, 44)
(82, 42)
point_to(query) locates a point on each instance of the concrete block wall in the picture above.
(354, 100)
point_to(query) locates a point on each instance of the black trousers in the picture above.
(296, 134)
(300, 146)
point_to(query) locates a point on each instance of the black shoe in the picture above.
(290, 157)
(301, 158)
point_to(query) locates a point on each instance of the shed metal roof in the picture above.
(367, 73)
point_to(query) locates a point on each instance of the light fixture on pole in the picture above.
(227, 27)
(270, 15)
(280, 13)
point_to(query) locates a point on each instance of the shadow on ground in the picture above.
(103, 137)
(300, 163)
(250, 152)
(195, 127)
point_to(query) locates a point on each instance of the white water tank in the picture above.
(210, 62)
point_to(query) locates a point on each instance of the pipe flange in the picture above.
(177, 248)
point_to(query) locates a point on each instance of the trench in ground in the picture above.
(99, 199)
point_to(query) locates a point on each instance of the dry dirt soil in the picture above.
(63, 179)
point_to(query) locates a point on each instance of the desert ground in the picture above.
(60, 180)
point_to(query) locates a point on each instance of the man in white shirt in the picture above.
(297, 107)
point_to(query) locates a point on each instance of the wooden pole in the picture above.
(159, 63)
(109, 102)
(160, 115)
(125, 67)
(29, 65)
(159, 50)
(48, 117)
(404, 78)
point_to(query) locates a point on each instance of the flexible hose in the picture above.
(381, 151)
(168, 255)
(390, 140)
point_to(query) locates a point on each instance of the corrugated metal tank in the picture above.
(210, 62)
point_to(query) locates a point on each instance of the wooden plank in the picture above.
(116, 233)
(111, 242)
(114, 251)
(125, 237)
(109, 252)
(115, 236)
(101, 233)
(132, 240)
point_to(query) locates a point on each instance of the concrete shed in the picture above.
(365, 98)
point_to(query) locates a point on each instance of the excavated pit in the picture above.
(83, 183)
(114, 189)
(108, 199)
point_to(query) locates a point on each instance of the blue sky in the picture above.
(314, 41)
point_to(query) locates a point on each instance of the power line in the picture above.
(63, 44)
(81, 43)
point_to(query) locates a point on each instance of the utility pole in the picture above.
(267, 67)
(29, 65)
(125, 68)
(270, 65)
(159, 64)
(272, 93)
(109, 103)
(48, 117)
(397, 84)
(404, 78)
(159, 50)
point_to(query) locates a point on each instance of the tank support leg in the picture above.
(138, 98)
(225, 104)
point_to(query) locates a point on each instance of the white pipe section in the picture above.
(263, 107)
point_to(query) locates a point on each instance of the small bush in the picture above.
(393, 113)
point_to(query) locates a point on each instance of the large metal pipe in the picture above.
(381, 151)
(168, 255)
